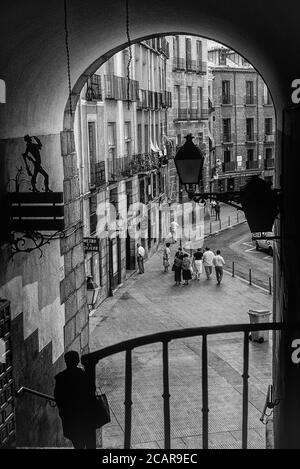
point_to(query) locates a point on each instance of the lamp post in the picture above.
(92, 291)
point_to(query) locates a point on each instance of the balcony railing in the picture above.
(250, 100)
(100, 173)
(166, 99)
(117, 88)
(164, 47)
(94, 88)
(229, 166)
(201, 67)
(251, 137)
(154, 100)
(269, 163)
(191, 65)
(252, 164)
(191, 114)
(211, 107)
(269, 138)
(227, 137)
(227, 100)
(179, 63)
(128, 166)
(90, 361)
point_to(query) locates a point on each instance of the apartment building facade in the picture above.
(243, 121)
(121, 127)
(187, 77)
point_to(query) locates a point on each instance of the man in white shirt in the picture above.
(173, 230)
(208, 258)
(140, 258)
(219, 263)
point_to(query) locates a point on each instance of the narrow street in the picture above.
(151, 303)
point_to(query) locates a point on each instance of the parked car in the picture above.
(264, 244)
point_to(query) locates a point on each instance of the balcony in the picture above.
(191, 114)
(251, 138)
(201, 67)
(116, 88)
(269, 163)
(269, 138)
(128, 166)
(178, 64)
(164, 47)
(166, 99)
(229, 166)
(191, 65)
(211, 107)
(227, 100)
(94, 88)
(250, 100)
(227, 137)
(154, 100)
(252, 164)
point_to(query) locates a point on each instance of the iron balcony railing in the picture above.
(252, 164)
(229, 166)
(128, 166)
(201, 67)
(227, 137)
(191, 114)
(163, 46)
(97, 174)
(178, 63)
(251, 137)
(227, 99)
(90, 361)
(94, 88)
(154, 99)
(120, 88)
(269, 163)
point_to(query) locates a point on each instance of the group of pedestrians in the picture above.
(187, 267)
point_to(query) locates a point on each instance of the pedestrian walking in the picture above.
(212, 206)
(208, 257)
(173, 230)
(217, 210)
(219, 262)
(75, 399)
(166, 257)
(186, 268)
(198, 263)
(140, 258)
(177, 266)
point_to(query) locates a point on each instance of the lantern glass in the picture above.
(189, 163)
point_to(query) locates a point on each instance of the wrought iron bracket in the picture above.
(36, 240)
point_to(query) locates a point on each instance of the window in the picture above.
(268, 153)
(92, 151)
(179, 139)
(222, 57)
(111, 66)
(139, 137)
(250, 154)
(156, 134)
(249, 129)
(146, 138)
(199, 50)
(188, 53)
(227, 130)
(249, 92)
(199, 99)
(125, 58)
(227, 156)
(189, 97)
(176, 46)
(111, 134)
(177, 95)
(267, 96)
(127, 138)
(268, 126)
(93, 214)
(226, 92)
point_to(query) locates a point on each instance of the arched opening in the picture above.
(92, 119)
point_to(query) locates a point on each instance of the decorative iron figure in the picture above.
(34, 149)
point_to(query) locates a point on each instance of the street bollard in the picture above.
(233, 269)
(237, 216)
(250, 277)
(210, 227)
(220, 223)
(270, 285)
(228, 220)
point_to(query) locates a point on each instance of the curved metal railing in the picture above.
(90, 361)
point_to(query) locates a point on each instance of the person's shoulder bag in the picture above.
(102, 411)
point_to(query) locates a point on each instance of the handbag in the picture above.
(173, 267)
(102, 411)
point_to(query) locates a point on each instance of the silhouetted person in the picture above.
(74, 398)
(34, 149)
(217, 210)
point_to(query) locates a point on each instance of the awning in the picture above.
(152, 147)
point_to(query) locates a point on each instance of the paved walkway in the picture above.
(151, 303)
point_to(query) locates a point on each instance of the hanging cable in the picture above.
(130, 53)
(68, 57)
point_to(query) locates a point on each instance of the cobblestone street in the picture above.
(151, 303)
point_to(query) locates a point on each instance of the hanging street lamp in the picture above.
(189, 164)
(92, 291)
